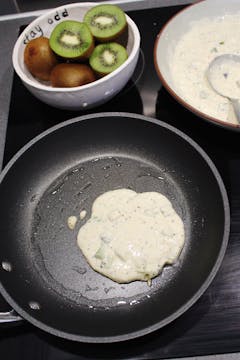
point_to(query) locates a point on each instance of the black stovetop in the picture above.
(212, 325)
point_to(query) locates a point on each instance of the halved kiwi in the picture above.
(71, 75)
(106, 58)
(72, 40)
(106, 21)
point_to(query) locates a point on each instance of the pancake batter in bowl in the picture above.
(131, 236)
(205, 40)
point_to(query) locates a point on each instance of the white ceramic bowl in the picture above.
(173, 31)
(81, 97)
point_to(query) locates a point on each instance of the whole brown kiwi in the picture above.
(71, 75)
(39, 58)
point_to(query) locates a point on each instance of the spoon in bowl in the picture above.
(223, 74)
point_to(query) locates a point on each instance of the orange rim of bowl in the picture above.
(200, 114)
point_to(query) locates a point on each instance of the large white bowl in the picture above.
(81, 97)
(173, 31)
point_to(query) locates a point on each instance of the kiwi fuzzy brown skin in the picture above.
(71, 75)
(88, 53)
(122, 38)
(39, 58)
(119, 38)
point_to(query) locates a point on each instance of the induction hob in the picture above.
(212, 325)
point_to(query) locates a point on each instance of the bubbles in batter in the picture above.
(131, 236)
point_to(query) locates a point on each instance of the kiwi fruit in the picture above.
(70, 75)
(39, 58)
(72, 40)
(106, 58)
(106, 21)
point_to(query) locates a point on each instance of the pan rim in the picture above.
(226, 209)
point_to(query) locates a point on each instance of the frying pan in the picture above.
(44, 276)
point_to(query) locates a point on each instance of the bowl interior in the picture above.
(179, 25)
(44, 25)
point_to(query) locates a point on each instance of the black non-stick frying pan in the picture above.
(43, 274)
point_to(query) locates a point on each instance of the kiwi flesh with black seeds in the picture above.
(72, 40)
(106, 21)
(107, 57)
(71, 75)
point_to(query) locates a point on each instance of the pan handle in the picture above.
(9, 316)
